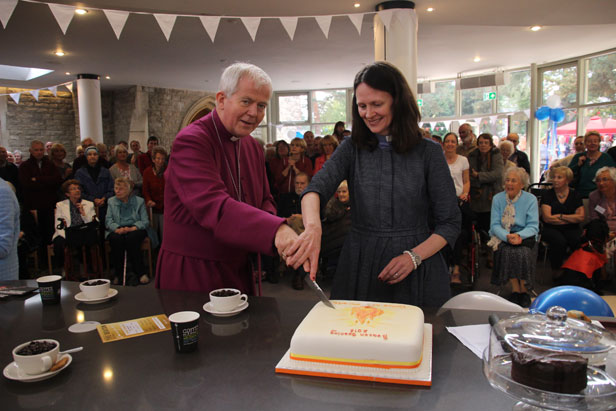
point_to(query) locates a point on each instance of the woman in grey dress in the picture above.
(404, 202)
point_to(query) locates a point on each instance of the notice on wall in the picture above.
(133, 328)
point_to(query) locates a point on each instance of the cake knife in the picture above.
(315, 287)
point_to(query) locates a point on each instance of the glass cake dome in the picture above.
(552, 361)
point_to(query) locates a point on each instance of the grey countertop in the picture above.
(233, 367)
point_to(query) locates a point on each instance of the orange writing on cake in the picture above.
(366, 313)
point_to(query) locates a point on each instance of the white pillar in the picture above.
(532, 137)
(89, 101)
(397, 44)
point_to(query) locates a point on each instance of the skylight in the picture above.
(21, 73)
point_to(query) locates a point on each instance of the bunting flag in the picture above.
(54, 90)
(289, 24)
(252, 25)
(63, 14)
(527, 112)
(117, 19)
(6, 10)
(15, 97)
(210, 24)
(455, 125)
(357, 20)
(324, 23)
(447, 123)
(386, 17)
(166, 23)
(35, 94)
(69, 86)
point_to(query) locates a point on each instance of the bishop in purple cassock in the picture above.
(218, 206)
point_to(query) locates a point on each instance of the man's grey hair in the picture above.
(235, 72)
(36, 143)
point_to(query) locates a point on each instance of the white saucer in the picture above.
(13, 372)
(209, 309)
(81, 297)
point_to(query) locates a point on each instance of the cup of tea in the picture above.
(49, 288)
(97, 288)
(185, 330)
(36, 357)
(227, 299)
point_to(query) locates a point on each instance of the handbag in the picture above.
(84, 234)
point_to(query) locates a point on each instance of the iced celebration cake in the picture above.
(361, 333)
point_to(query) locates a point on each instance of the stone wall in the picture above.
(50, 118)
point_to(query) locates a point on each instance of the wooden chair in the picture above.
(95, 254)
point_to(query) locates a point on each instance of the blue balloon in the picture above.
(557, 115)
(298, 135)
(571, 297)
(542, 113)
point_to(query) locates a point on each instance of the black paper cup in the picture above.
(185, 330)
(49, 288)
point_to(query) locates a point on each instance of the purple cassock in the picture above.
(209, 235)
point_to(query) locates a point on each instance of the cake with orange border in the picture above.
(361, 333)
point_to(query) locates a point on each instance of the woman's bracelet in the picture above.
(415, 257)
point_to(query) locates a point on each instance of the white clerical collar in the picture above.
(233, 138)
(388, 139)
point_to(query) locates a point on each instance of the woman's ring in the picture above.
(284, 256)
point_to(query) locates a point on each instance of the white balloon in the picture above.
(553, 101)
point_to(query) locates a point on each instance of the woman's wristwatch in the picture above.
(415, 257)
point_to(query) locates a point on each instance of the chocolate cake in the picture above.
(562, 373)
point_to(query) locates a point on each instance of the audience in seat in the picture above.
(506, 148)
(295, 163)
(145, 159)
(585, 165)
(40, 180)
(486, 175)
(9, 233)
(336, 226)
(519, 158)
(459, 170)
(469, 143)
(154, 188)
(58, 154)
(122, 168)
(126, 223)
(81, 161)
(96, 182)
(562, 211)
(602, 201)
(328, 144)
(8, 171)
(514, 228)
(72, 212)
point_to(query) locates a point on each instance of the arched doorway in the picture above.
(201, 108)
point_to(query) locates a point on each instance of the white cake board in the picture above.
(421, 375)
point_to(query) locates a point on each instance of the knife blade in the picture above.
(315, 287)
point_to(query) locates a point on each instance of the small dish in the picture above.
(209, 309)
(83, 299)
(13, 372)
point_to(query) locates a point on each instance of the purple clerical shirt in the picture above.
(208, 233)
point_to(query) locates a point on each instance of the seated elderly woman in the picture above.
(514, 225)
(71, 212)
(562, 211)
(126, 222)
(602, 201)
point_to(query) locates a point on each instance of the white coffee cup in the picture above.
(95, 291)
(38, 363)
(227, 303)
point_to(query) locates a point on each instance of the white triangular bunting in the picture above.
(527, 112)
(63, 14)
(386, 17)
(324, 23)
(454, 126)
(210, 24)
(15, 97)
(6, 10)
(432, 125)
(357, 20)
(117, 20)
(166, 22)
(69, 86)
(447, 123)
(35, 94)
(493, 119)
(289, 24)
(252, 25)
(478, 121)
(54, 90)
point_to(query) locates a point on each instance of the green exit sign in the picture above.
(419, 102)
(489, 96)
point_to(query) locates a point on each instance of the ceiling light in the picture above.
(68, 73)
(81, 11)
(108, 78)
(59, 53)
(430, 9)
(536, 28)
(356, 5)
(477, 59)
